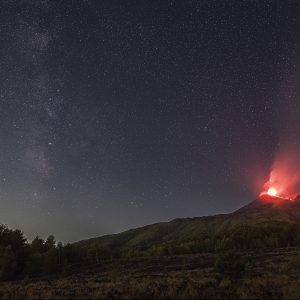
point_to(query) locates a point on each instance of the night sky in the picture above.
(117, 114)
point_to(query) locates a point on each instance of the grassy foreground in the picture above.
(269, 275)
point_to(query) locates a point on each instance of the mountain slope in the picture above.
(202, 233)
(265, 209)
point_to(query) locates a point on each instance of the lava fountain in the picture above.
(283, 182)
(272, 192)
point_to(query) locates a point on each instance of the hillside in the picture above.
(201, 234)
(263, 225)
(246, 254)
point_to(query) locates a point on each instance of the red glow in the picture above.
(284, 179)
(272, 191)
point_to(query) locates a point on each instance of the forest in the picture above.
(21, 259)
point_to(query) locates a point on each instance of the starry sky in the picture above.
(117, 114)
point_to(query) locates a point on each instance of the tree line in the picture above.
(20, 258)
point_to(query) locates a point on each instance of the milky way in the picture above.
(116, 114)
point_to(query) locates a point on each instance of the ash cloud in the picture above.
(285, 172)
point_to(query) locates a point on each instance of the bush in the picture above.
(230, 264)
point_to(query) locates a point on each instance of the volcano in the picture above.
(267, 208)
(264, 215)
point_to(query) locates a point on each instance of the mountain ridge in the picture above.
(199, 232)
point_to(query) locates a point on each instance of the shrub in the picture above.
(230, 264)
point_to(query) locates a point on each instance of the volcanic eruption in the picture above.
(272, 191)
(283, 182)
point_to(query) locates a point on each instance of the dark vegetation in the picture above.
(224, 246)
(268, 275)
(250, 228)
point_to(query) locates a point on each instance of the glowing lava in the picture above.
(284, 178)
(272, 192)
